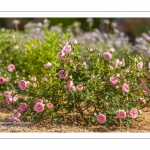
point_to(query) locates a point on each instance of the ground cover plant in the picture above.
(57, 77)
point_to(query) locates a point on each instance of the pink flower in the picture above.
(48, 65)
(143, 101)
(39, 107)
(125, 87)
(7, 93)
(113, 80)
(44, 78)
(22, 107)
(69, 84)
(74, 69)
(14, 119)
(79, 87)
(6, 79)
(49, 105)
(107, 56)
(61, 54)
(11, 67)
(9, 99)
(120, 113)
(17, 114)
(133, 113)
(63, 74)
(22, 85)
(2, 80)
(101, 118)
(140, 65)
(39, 101)
(65, 86)
(73, 89)
(66, 49)
(66, 42)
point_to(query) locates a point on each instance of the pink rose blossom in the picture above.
(39, 107)
(6, 79)
(143, 101)
(48, 65)
(11, 67)
(9, 99)
(49, 105)
(107, 56)
(39, 101)
(101, 118)
(74, 69)
(17, 114)
(7, 93)
(2, 80)
(14, 119)
(70, 84)
(22, 84)
(120, 113)
(66, 42)
(66, 49)
(63, 74)
(79, 87)
(133, 113)
(44, 78)
(113, 80)
(61, 54)
(125, 87)
(73, 89)
(65, 86)
(140, 65)
(22, 107)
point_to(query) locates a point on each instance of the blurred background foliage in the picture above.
(132, 27)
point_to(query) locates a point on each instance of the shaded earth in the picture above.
(142, 124)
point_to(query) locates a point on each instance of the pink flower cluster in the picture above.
(71, 87)
(63, 74)
(119, 63)
(39, 106)
(15, 117)
(3, 80)
(122, 114)
(66, 49)
(9, 98)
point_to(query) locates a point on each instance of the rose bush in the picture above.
(57, 77)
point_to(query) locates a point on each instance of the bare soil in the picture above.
(141, 125)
